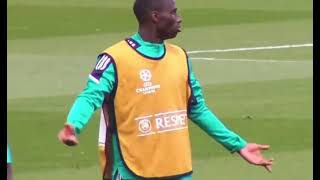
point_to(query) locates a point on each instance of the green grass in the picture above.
(213, 167)
(285, 106)
(232, 167)
(73, 21)
(257, 109)
(230, 4)
(52, 46)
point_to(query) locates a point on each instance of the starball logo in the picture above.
(148, 87)
(145, 75)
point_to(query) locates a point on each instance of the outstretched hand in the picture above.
(68, 136)
(253, 154)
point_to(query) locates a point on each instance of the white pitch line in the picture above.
(246, 60)
(252, 48)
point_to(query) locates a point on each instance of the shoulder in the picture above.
(176, 49)
(115, 48)
(108, 55)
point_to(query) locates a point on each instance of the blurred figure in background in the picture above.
(9, 164)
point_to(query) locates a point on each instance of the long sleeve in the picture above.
(100, 83)
(201, 115)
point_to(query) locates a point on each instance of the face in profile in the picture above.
(168, 21)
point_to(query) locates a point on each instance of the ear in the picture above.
(155, 16)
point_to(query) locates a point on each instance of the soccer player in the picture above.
(9, 162)
(148, 90)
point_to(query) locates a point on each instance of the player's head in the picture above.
(160, 14)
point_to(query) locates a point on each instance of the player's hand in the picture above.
(68, 136)
(253, 154)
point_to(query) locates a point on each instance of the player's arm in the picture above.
(100, 83)
(201, 115)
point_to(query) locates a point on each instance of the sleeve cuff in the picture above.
(241, 144)
(75, 127)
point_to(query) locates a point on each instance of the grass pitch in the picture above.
(52, 46)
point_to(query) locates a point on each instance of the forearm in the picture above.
(211, 124)
(80, 113)
(200, 114)
(85, 105)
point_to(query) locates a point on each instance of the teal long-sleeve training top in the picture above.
(92, 97)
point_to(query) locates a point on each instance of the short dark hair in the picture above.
(142, 7)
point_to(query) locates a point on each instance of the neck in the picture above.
(149, 34)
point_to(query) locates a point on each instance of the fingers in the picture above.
(268, 164)
(268, 168)
(61, 136)
(67, 138)
(71, 142)
(263, 146)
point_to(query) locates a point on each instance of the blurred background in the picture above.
(252, 57)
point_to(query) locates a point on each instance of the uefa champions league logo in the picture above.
(145, 75)
(148, 86)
